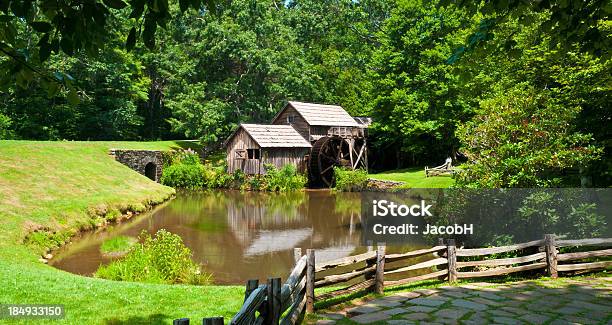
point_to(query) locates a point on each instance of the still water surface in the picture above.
(239, 236)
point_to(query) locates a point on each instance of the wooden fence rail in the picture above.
(273, 303)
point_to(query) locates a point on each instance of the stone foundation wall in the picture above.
(138, 160)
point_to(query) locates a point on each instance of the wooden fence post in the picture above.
(451, 252)
(442, 254)
(212, 321)
(379, 278)
(551, 255)
(310, 280)
(274, 301)
(181, 321)
(297, 254)
(250, 286)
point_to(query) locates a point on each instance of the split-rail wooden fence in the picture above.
(273, 303)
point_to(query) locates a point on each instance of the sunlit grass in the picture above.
(415, 178)
(52, 185)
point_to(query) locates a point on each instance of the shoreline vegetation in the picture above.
(56, 189)
(60, 188)
(183, 169)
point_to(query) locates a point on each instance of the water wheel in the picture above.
(326, 153)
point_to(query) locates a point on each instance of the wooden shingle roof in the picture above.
(322, 115)
(275, 136)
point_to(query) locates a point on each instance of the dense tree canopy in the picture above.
(519, 90)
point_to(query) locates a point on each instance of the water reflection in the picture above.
(239, 236)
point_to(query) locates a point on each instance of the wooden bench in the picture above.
(446, 168)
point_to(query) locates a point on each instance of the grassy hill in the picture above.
(55, 186)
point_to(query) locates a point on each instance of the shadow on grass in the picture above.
(150, 319)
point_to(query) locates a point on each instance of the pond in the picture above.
(239, 236)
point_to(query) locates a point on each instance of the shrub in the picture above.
(182, 175)
(523, 137)
(113, 214)
(160, 259)
(348, 180)
(5, 127)
(281, 180)
(117, 245)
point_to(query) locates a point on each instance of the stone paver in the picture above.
(385, 303)
(370, 317)
(416, 316)
(394, 311)
(431, 302)
(451, 313)
(469, 304)
(535, 318)
(506, 320)
(420, 309)
(566, 301)
(364, 309)
(399, 322)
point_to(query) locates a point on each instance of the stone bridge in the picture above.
(146, 162)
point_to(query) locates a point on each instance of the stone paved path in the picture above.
(563, 301)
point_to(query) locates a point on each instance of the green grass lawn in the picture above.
(52, 185)
(415, 178)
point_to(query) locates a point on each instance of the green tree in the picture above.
(520, 137)
(72, 27)
(417, 99)
(567, 76)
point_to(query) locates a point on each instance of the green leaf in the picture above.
(131, 39)
(73, 97)
(52, 89)
(41, 26)
(115, 4)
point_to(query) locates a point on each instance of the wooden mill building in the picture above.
(313, 137)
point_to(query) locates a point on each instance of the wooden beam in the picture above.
(427, 276)
(379, 285)
(581, 255)
(584, 266)
(500, 271)
(496, 250)
(422, 265)
(310, 280)
(503, 261)
(551, 255)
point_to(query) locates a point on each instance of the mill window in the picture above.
(253, 153)
(291, 118)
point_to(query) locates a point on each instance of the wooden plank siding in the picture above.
(275, 156)
(299, 123)
(242, 141)
(280, 157)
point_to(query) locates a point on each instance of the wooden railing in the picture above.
(448, 262)
(274, 303)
